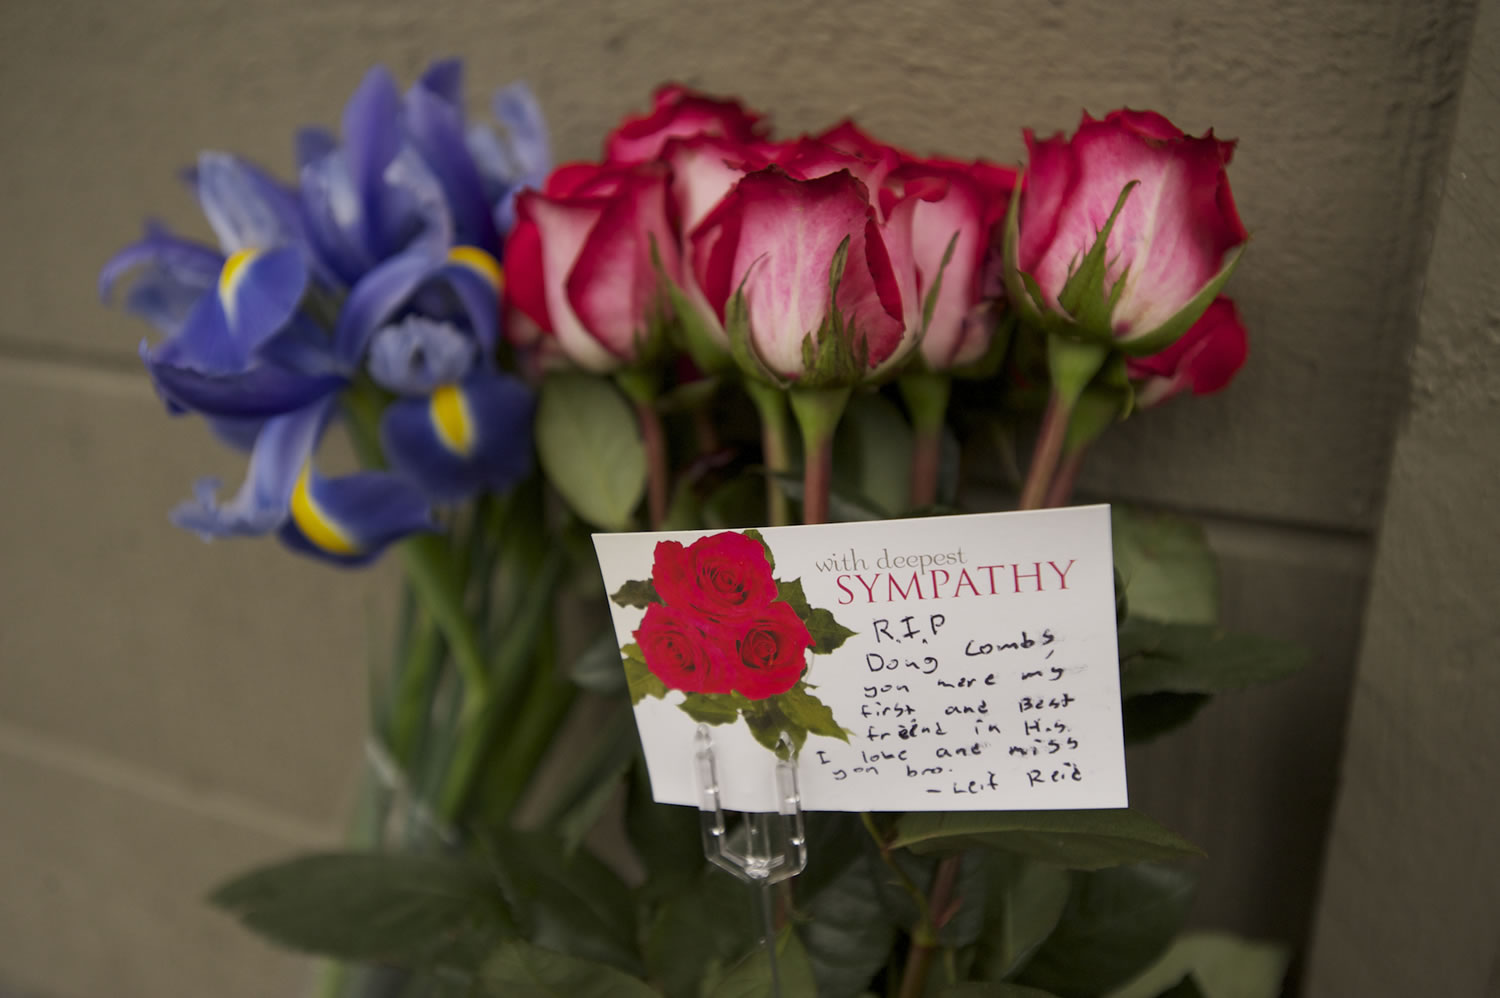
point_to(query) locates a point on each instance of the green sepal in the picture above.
(1025, 297)
(1171, 331)
(1073, 364)
(691, 330)
(929, 304)
(1084, 296)
(737, 328)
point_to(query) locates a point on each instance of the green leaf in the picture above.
(1023, 902)
(751, 977)
(847, 935)
(640, 680)
(1169, 572)
(872, 450)
(1186, 988)
(597, 667)
(571, 903)
(1152, 714)
(666, 837)
(1080, 840)
(806, 711)
(756, 535)
(790, 592)
(1116, 923)
(521, 970)
(994, 989)
(827, 633)
(590, 447)
(1223, 965)
(637, 593)
(711, 708)
(372, 907)
(707, 919)
(1180, 658)
(843, 507)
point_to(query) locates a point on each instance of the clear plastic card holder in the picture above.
(759, 848)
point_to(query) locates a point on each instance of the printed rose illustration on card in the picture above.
(722, 629)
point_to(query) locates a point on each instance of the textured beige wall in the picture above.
(1411, 897)
(170, 711)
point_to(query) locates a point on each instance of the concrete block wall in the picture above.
(171, 711)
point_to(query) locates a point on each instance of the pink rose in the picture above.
(678, 112)
(578, 262)
(928, 205)
(771, 243)
(1202, 361)
(1170, 242)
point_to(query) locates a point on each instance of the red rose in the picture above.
(721, 576)
(679, 654)
(1203, 360)
(1170, 239)
(679, 113)
(766, 652)
(578, 262)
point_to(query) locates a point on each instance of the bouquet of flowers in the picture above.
(708, 328)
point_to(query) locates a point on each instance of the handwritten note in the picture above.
(947, 663)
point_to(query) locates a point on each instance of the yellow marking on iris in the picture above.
(481, 263)
(451, 420)
(314, 522)
(233, 273)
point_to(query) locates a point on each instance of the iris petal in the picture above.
(463, 438)
(416, 355)
(281, 450)
(246, 208)
(331, 209)
(260, 291)
(376, 298)
(371, 141)
(436, 129)
(445, 79)
(350, 520)
(313, 144)
(257, 392)
(529, 145)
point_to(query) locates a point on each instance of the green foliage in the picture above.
(1180, 658)
(1080, 840)
(1120, 920)
(411, 910)
(845, 931)
(1023, 901)
(590, 447)
(1166, 565)
(707, 921)
(751, 976)
(995, 989)
(1221, 965)
(640, 680)
(521, 970)
(637, 593)
(597, 667)
(872, 451)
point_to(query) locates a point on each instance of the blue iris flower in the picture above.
(429, 329)
(347, 520)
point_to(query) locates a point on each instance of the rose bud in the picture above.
(933, 205)
(1125, 232)
(678, 112)
(579, 262)
(764, 260)
(1202, 361)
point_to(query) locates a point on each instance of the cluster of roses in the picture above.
(693, 206)
(720, 627)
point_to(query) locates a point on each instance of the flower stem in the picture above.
(926, 395)
(655, 439)
(1049, 444)
(817, 411)
(924, 945)
(1061, 489)
(776, 450)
